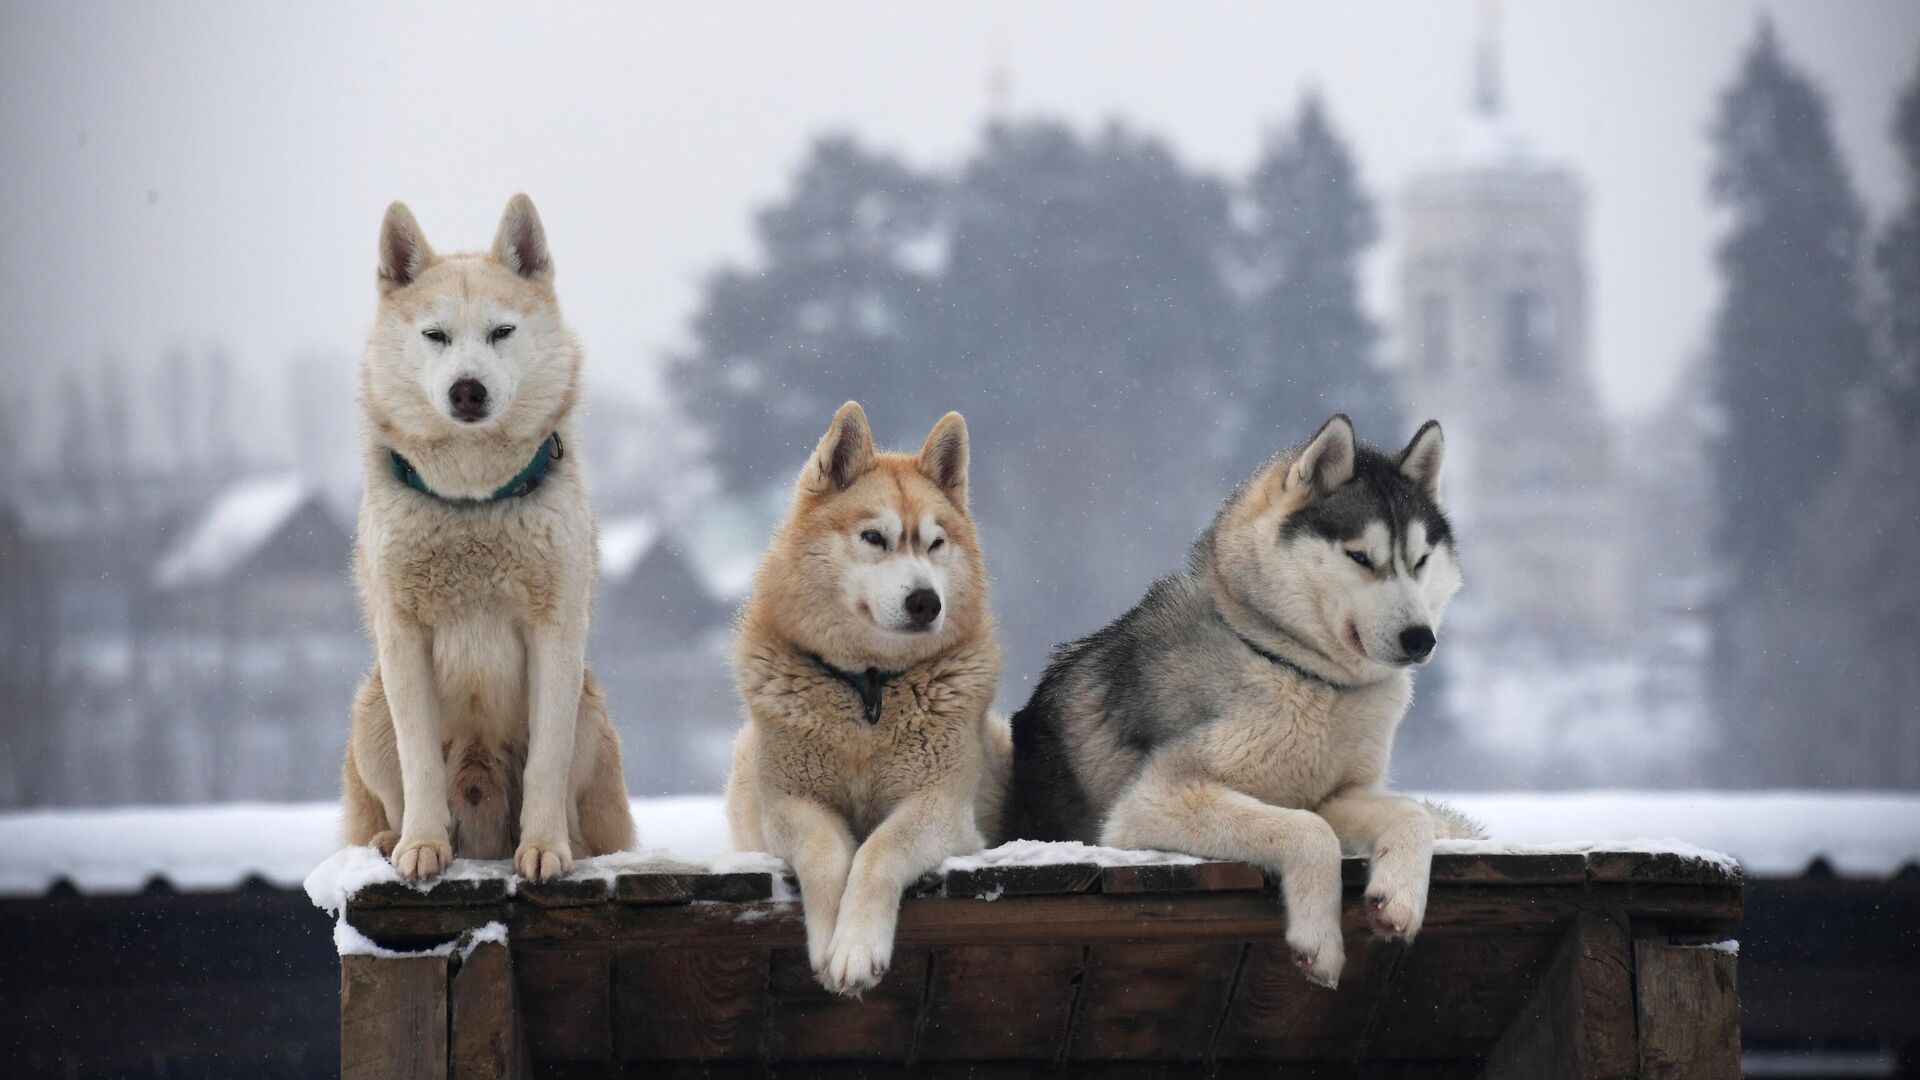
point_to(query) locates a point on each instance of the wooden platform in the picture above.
(1547, 965)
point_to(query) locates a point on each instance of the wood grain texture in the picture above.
(998, 881)
(565, 1001)
(1179, 877)
(1152, 1002)
(677, 1004)
(684, 888)
(1580, 1021)
(1000, 1003)
(810, 1023)
(484, 1040)
(393, 1018)
(1689, 1012)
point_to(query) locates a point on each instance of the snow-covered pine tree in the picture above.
(1789, 343)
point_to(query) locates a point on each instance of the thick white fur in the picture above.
(479, 731)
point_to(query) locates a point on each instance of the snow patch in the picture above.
(1058, 853)
(1717, 859)
(351, 942)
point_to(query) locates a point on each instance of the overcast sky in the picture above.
(198, 173)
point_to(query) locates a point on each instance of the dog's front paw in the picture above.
(855, 961)
(1396, 902)
(1319, 953)
(421, 857)
(542, 862)
(384, 842)
(1395, 914)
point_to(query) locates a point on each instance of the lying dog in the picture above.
(1246, 707)
(867, 661)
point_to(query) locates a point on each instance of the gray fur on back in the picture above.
(1108, 699)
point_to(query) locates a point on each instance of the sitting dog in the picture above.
(1246, 707)
(479, 731)
(867, 661)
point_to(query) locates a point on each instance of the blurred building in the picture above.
(659, 650)
(1493, 309)
(251, 645)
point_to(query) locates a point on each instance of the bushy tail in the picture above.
(1451, 824)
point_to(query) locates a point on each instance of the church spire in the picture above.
(1486, 60)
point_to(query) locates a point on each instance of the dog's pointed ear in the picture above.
(1420, 461)
(944, 457)
(404, 251)
(521, 243)
(844, 455)
(1327, 461)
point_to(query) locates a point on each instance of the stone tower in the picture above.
(1493, 334)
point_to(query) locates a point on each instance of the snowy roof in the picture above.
(624, 542)
(238, 522)
(217, 847)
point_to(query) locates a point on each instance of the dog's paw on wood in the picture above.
(856, 962)
(384, 842)
(421, 858)
(542, 862)
(1319, 956)
(1394, 915)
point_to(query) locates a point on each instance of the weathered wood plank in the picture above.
(1182, 877)
(1580, 1021)
(996, 1003)
(1502, 869)
(1090, 918)
(566, 892)
(565, 1000)
(1457, 990)
(1689, 1011)
(679, 1004)
(673, 888)
(811, 1023)
(1662, 867)
(1278, 1015)
(393, 1018)
(446, 892)
(1152, 1002)
(484, 1021)
(994, 882)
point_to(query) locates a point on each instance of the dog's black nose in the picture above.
(923, 606)
(1417, 641)
(469, 399)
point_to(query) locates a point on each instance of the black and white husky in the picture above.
(1245, 709)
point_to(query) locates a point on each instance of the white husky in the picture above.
(479, 731)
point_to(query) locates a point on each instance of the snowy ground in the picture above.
(1861, 834)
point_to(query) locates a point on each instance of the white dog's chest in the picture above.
(479, 668)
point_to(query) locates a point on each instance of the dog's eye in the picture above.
(500, 333)
(938, 542)
(872, 536)
(1361, 558)
(435, 335)
(1422, 564)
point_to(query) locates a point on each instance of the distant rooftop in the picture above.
(235, 525)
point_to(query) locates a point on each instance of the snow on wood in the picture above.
(217, 847)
